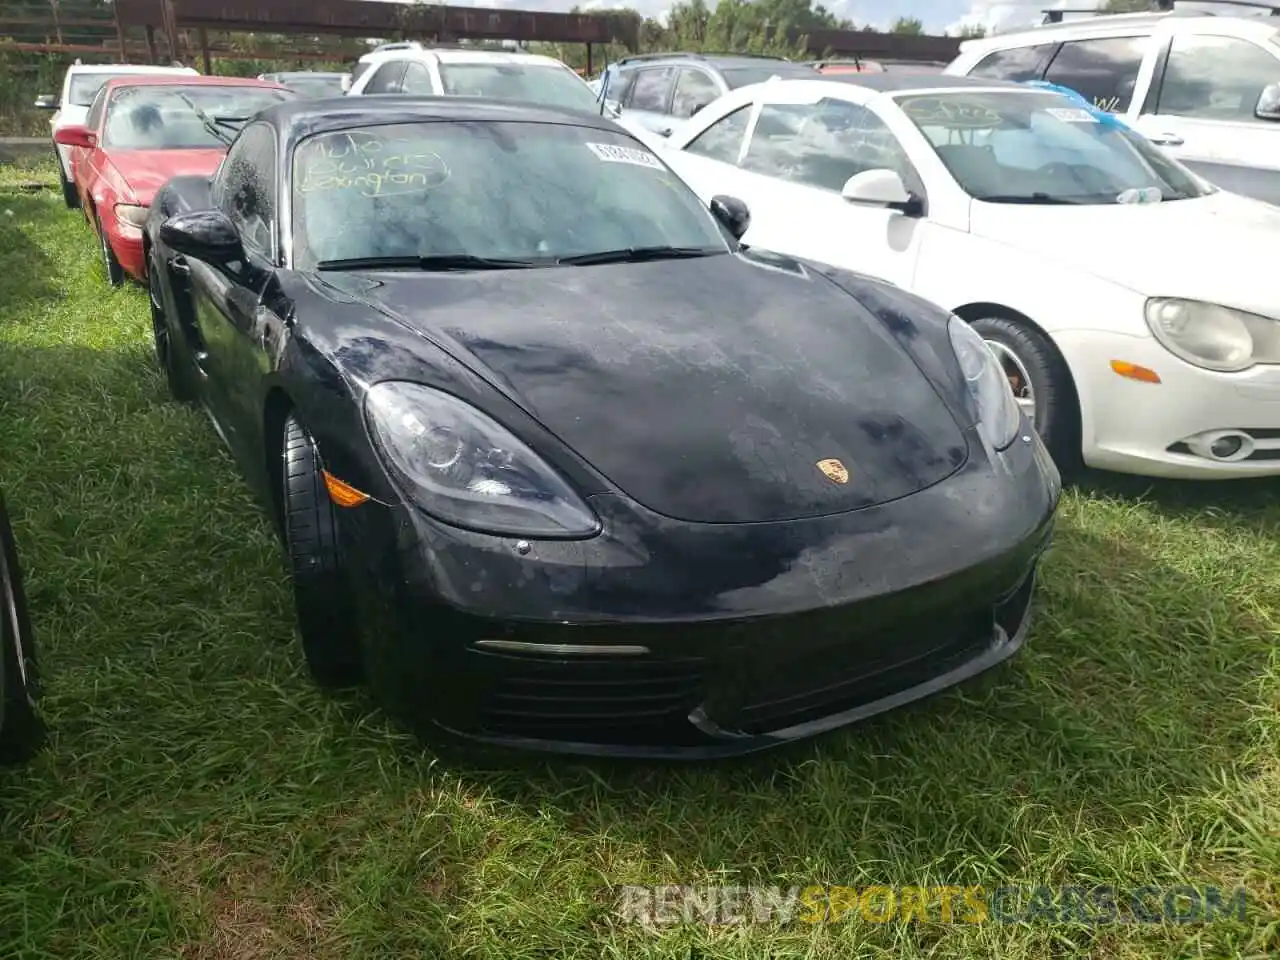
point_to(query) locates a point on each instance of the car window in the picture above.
(386, 79)
(1216, 78)
(823, 144)
(1103, 70)
(505, 190)
(182, 116)
(1043, 148)
(619, 85)
(694, 90)
(651, 89)
(247, 192)
(417, 80)
(85, 86)
(95, 111)
(1018, 64)
(723, 139)
(551, 84)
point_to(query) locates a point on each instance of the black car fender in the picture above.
(920, 328)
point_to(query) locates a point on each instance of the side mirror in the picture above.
(1268, 107)
(47, 101)
(75, 135)
(207, 235)
(346, 83)
(700, 105)
(732, 214)
(881, 188)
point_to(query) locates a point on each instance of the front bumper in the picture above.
(1155, 429)
(718, 639)
(126, 244)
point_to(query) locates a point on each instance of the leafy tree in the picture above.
(909, 26)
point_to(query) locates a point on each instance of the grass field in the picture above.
(200, 799)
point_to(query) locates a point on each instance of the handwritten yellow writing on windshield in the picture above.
(370, 165)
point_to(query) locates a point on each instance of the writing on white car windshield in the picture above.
(1043, 148)
(183, 116)
(489, 195)
(548, 84)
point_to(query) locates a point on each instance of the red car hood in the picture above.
(146, 171)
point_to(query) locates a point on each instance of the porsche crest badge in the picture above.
(834, 470)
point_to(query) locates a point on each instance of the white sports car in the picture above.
(1131, 303)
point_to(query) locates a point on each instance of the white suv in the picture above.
(411, 68)
(1205, 88)
(79, 87)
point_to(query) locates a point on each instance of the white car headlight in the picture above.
(132, 214)
(467, 470)
(1213, 337)
(998, 415)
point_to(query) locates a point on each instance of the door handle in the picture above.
(1166, 140)
(179, 265)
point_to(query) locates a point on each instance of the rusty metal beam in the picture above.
(892, 46)
(373, 18)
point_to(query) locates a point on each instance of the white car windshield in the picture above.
(547, 84)
(1041, 147)
(85, 86)
(530, 193)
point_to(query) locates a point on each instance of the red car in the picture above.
(140, 132)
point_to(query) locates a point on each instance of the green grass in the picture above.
(200, 799)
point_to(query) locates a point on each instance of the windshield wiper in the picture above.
(638, 255)
(207, 121)
(449, 261)
(1029, 198)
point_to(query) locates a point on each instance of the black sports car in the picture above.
(21, 730)
(559, 464)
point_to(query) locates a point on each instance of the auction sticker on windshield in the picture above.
(614, 154)
(1072, 115)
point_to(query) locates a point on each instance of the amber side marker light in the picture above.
(1135, 372)
(343, 494)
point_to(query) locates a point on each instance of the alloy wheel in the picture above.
(1019, 380)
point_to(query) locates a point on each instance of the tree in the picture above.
(974, 32)
(908, 25)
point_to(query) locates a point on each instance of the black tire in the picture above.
(22, 732)
(162, 336)
(69, 195)
(326, 611)
(1057, 409)
(111, 266)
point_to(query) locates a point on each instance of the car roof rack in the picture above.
(1160, 8)
(397, 45)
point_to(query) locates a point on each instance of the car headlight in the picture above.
(469, 471)
(1213, 337)
(132, 214)
(998, 415)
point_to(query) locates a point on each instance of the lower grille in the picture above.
(600, 699)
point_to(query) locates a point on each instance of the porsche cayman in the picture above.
(559, 464)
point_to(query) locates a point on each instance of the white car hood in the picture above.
(1220, 248)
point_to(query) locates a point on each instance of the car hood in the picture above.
(146, 171)
(707, 389)
(1219, 248)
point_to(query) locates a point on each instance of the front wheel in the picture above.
(326, 610)
(162, 334)
(1041, 384)
(22, 731)
(69, 195)
(115, 272)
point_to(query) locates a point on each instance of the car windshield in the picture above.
(1041, 147)
(315, 87)
(85, 86)
(182, 116)
(737, 77)
(508, 191)
(547, 84)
